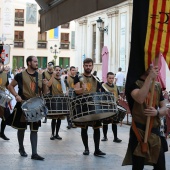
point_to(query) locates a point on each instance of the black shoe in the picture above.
(4, 137)
(104, 139)
(69, 127)
(58, 137)
(37, 157)
(23, 153)
(86, 152)
(52, 137)
(45, 120)
(99, 153)
(117, 140)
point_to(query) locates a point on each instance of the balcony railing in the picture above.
(19, 21)
(42, 44)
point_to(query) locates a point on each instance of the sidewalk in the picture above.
(67, 153)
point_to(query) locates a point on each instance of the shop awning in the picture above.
(56, 12)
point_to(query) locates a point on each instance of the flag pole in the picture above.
(145, 149)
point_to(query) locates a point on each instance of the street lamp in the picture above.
(100, 26)
(54, 50)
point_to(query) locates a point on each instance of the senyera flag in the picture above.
(150, 35)
(158, 31)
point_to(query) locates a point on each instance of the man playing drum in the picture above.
(55, 89)
(85, 84)
(47, 75)
(30, 84)
(4, 112)
(111, 87)
(70, 84)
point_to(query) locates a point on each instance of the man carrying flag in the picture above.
(150, 36)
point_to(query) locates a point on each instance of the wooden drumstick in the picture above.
(105, 88)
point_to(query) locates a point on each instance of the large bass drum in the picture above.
(57, 105)
(92, 107)
(34, 109)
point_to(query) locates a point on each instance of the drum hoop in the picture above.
(121, 108)
(4, 94)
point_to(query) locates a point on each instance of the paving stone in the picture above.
(66, 154)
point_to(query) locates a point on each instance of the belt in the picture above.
(143, 127)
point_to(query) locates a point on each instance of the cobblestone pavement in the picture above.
(67, 153)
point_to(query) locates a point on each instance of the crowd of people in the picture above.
(55, 81)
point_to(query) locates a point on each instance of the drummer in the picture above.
(70, 83)
(4, 112)
(47, 75)
(30, 84)
(55, 89)
(111, 87)
(84, 84)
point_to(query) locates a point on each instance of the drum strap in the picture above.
(36, 88)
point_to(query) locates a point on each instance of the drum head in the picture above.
(32, 103)
(94, 117)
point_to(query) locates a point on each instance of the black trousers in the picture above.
(114, 129)
(96, 137)
(55, 126)
(138, 162)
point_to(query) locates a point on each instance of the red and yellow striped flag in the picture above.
(158, 31)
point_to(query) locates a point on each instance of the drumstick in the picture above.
(105, 88)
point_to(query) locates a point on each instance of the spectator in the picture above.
(119, 80)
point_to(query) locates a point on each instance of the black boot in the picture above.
(4, 137)
(22, 152)
(45, 120)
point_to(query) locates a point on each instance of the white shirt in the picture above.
(119, 79)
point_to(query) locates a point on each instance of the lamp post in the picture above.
(54, 50)
(101, 26)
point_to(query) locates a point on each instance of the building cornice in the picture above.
(83, 21)
(107, 11)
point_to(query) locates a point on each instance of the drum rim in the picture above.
(119, 108)
(3, 94)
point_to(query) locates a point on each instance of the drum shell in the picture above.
(71, 93)
(92, 107)
(34, 109)
(57, 105)
(121, 114)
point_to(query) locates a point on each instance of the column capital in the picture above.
(83, 21)
(112, 13)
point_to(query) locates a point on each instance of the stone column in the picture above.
(113, 40)
(83, 39)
